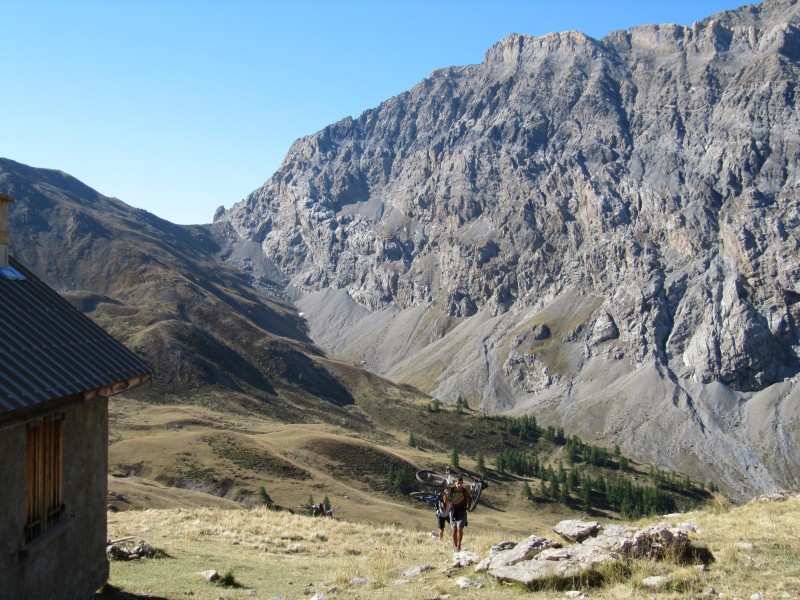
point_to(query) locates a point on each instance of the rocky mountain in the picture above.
(601, 232)
(161, 289)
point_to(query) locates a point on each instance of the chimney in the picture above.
(5, 200)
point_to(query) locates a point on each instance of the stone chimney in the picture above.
(5, 200)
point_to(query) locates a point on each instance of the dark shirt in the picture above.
(458, 498)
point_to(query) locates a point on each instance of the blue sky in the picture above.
(179, 107)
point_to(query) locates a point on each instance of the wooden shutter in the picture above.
(44, 502)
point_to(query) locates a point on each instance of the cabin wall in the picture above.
(68, 561)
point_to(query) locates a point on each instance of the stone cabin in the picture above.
(57, 371)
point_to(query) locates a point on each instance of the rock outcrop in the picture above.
(536, 560)
(602, 232)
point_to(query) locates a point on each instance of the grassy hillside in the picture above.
(362, 456)
(278, 555)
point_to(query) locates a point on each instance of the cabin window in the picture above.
(43, 499)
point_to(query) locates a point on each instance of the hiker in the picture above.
(458, 499)
(441, 514)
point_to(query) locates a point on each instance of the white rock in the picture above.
(465, 582)
(656, 582)
(523, 551)
(465, 558)
(575, 530)
(415, 570)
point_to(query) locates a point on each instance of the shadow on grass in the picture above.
(110, 592)
(696, 555)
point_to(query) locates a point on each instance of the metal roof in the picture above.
(50, 352)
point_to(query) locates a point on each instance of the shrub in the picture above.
(227, 580)
(265, 499)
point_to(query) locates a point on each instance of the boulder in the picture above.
(210, 576)
(656, 541)
(537, 560)
(613, 538)
(576, 561)
(523, 551)
(576, 531)
(465, 558)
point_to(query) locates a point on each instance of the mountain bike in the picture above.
(436, 480)
(318, 510)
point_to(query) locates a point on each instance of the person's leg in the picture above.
(458, 530)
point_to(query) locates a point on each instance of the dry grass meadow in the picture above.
(281, 555)
(186, 473)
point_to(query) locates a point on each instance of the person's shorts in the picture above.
(442, 520)
(458, 519)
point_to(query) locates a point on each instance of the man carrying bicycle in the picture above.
(457, 498)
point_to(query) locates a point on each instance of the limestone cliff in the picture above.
(603, 232)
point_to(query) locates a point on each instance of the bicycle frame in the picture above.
(437, 480)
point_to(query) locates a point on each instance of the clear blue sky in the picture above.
(179, 107)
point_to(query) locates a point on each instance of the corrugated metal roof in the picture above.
(49, 350)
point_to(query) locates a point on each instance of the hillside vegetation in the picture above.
(268, 554)
(362, 457)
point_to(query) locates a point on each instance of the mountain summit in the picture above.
(601, 232)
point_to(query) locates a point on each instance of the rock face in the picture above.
(602, 232)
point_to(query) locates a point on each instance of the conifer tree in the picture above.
(586, 497)
(479, 463)
(454, 458)
(528, 492)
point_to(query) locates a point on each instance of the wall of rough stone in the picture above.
(67, 562)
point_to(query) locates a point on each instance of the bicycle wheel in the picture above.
(431, 478)
(425, 497)
(474, 494)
